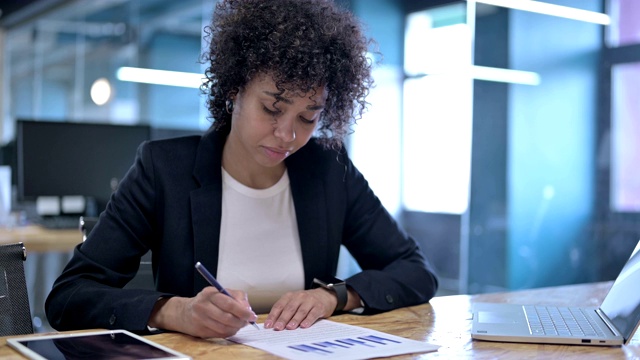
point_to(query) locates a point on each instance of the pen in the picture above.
(211, 280)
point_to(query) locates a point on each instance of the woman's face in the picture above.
(266, 127)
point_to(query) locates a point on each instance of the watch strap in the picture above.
(342, 293)
(339, 287)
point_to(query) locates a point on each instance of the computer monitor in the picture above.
(166, 133)
(74, 159)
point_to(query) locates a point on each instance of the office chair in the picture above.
(15, 314)
(144, 277)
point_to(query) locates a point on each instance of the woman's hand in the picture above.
(301, 309)
(209, 314)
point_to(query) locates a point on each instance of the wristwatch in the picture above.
(339, 287)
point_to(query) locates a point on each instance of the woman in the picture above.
(256, 199)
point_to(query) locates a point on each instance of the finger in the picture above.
(224, 309)
(238, 295)
(212, 327)
(309, 311)
(286, 314)
(238, 310)
(274, 314)
(243, 298)
(205, 319)
(303, 311)
(218, 312)
(312, 316)
(291, 309)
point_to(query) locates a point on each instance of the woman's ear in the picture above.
(232, 94)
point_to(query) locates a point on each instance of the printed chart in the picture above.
(329, 340)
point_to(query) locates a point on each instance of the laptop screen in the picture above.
(622, 303)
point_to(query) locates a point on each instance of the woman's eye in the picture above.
(305, 120)
(269, 111)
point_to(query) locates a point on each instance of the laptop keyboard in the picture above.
(563, 321)
(59, 222)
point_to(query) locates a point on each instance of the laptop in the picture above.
(613, 323)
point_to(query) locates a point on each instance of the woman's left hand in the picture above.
(301, 309)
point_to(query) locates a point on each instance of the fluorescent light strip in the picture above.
(505, 75)
(552, 9)
(160, 77)
(489, 74)
(194, 80)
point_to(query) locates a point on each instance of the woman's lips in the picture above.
(276, 153)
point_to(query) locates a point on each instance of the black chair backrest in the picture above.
(15, 314)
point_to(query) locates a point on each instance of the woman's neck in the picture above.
(250, 174)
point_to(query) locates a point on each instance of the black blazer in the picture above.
(170, 202)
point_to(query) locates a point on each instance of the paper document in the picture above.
(329, 340)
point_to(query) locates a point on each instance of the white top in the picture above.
(259, 242)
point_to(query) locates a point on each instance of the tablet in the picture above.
(106, 344)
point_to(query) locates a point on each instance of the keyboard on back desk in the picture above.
(59, 222)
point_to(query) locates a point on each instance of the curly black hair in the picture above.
(302, 44)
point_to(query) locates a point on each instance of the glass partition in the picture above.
(625, 27)
(531, 213)
(64, 63)
(625, 138)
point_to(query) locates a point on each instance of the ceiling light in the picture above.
(505, 75)
(160, 77)
(486, 73)
(100, 91)
(552, 9)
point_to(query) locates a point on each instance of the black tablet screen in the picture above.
(102, 346)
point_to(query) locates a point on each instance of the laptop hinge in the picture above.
(608, 322)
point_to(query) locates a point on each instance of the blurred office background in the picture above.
(507, 141)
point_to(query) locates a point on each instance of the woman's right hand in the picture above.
(207, 315)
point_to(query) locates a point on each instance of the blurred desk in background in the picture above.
(41, 240)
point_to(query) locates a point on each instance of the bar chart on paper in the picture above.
(329, 340)
(343, 345)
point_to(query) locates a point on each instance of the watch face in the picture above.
(328, 282)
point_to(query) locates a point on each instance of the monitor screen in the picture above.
(70, 158)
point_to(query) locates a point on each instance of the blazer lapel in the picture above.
(206, 205)
(309, 200)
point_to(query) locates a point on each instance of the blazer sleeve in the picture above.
(89, 293)
(395, 272)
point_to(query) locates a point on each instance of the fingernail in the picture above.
(278, 326)
(305, 324)
(268, 324)
(292, 325)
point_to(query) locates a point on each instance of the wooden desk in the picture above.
(445, 322)
(40, 240)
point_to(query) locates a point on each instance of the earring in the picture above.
(229, 106)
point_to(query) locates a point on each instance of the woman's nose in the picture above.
(284, 130)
